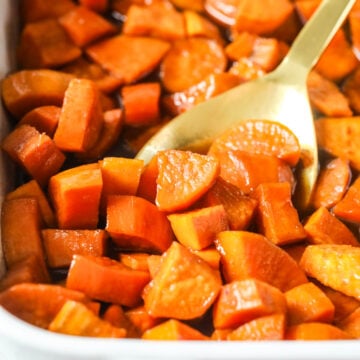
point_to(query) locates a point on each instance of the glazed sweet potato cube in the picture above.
(32, 150)
(99, 6)
(74, 318)
(245, 300)
(141, 319)
(351, 324)
(277, 217)
(336, 266)
(81, 117)
(308, 303)
(85, 26)
(197, 229)
(25, 90)
(181, 272)
(75, 194)
(173, 330)
(45, 44)
(250, 255)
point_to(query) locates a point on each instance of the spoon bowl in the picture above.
(279, 96)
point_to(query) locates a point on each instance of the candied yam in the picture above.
(81, 117)
(25, 90)
(106, 280)
(326, 97)
(270, 327)
(277, 218)
(74, 318)
(75, 194)
(173, 330)
(315, 331)
(197, 229)
(224, 11)
(323, 227)
(240, 208)
(60, 245)
(351, 90)
(99, 6)
(141, 103)
(335, 135)
(157, 19)
(250, 15)
(246, 70)
(332, 182)
(308, 303)
(38, 303)
(147, 183)
(193, 5)
(263, 137)
(180, 272)
(136, 260)
(336, 266)
(177, 68)
(351, 324)
(137, 224)
(35, 152)
(241, 168)
(183, 178)
(44, 119)
(85, 26)
(245, 300)
(210, 255)
(348, 208)
(141, 319)
(250, 255)
(45, 44)
(137, 58)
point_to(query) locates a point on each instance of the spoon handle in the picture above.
(316, 34)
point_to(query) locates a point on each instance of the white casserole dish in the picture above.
(19, 340)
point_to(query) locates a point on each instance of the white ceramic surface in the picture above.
(21, 341)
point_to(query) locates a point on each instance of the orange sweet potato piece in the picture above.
(137, 58)
(250, 255)
(45, 44)
(315, 331)
(308, 303)
(44, 119)
(354, 25)
(296, 250)
(270, 327)
(326, 97)
(246, 70)
(136, 261)
(348, 208)
(141, 103)
(75, 194)
(25, 90)
(335, 135)
(177, 68)
(323, 227)
(110, 132)
(242, 46)
(141, 319)
(277, 218)
(74, 318)
(34, 10)
(20, 231)
(260, 137)
(183, 178)
(28, 270)
(181, 273)
(334, 265)
(251, 16)
(224, 11)
(156, 19)
(60, 245)
(240, 208)
(197, 5)
(85, 26)
(173, 330)
(351, 90)
(99, 6)
(106, 280)
(332, 182)
(38, 303)
(81, 117)
(197, 229)
(351, 324)
(147, 183)
(31, 189)
(135, 223)
(210, 255)
(32, 150)
(241, 168)
(245, 300)
(306, 8)
(338, 60)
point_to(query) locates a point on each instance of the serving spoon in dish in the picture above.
(280, 96)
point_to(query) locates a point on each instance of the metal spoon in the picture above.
(281, 96)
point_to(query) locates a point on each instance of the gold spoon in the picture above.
(280, 96)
